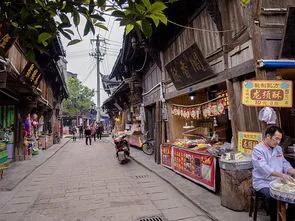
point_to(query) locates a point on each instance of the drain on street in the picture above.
(142, 176)
(152, 218)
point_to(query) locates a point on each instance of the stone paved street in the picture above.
(87, 183)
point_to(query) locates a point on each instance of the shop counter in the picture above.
(199, 167)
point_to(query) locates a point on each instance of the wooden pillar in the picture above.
(158, 131)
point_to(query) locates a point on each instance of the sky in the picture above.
(84, 65)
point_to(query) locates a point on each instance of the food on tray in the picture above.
(288, 187)
(186, 143)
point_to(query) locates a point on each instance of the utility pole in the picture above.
(99, 57)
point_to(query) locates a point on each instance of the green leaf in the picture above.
(43, 37)
(91, 6)
(139, 23)
(98, 17)
(129, 28)
(64, 18)
(118, 13)
(37, 26)
(158, 7)
(65, 34)
(162, 18)
(140, 8)
(31, 55)
(147, 4)
(88, 27)
(100, 3)
(100, 25)
(75, 41)
(76, 17)
(155, 19)
(146, 29)
(69, 31)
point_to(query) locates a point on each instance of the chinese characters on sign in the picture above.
(5, 42)
(189, 67)
(32, 74)
(166, 155)
(247, 141)
(267, 93)
(200, 168)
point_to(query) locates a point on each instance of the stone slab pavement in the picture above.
(82, 182)
(202, 198)
(19, 170)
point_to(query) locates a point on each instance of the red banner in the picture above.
(166, 155)
(198, 167)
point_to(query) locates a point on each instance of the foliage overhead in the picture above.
(37, 22)
(80, 98)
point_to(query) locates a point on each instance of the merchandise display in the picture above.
(283, 191)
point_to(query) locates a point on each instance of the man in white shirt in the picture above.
(269, 164)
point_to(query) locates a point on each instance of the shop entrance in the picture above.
(150, 121)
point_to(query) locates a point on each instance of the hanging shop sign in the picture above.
(205, 110)
(200, 168)
(189, 68)
(267, 93)
(32, 74)
(166, 155)
(5, 42)
(247, 141)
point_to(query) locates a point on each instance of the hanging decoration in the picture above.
(205, 110)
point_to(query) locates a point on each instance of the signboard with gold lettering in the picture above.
(267, 93)
(189, 68)
(247, 141)
(5, 43)
(32, 74)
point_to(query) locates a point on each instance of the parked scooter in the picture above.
(122, 148)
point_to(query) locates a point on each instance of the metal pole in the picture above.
(98, 77)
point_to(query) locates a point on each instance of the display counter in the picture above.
(198, 166)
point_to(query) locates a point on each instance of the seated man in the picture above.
(269, 164)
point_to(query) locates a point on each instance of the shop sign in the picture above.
(189, 68)
(267, 93)
(200, 168)
(166, 155)
(247, 141)
(5, 42)
(32, 74)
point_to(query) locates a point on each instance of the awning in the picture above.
(274, 64)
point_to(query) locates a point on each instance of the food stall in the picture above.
(200, 134)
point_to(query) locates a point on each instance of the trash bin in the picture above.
(235, 184)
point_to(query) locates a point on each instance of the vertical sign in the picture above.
(247, 141)
(267, 93)
(32, 74)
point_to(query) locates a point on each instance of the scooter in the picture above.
(122, 148)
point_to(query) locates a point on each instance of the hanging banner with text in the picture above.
(166, 155)
(32, 74)
(267, 93)
(247, 141)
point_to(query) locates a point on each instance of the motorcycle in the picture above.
(122, 148)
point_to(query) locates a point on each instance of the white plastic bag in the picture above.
(268, 115)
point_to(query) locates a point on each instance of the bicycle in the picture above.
(148, 146)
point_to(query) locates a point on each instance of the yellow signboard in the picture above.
(247, 141)
(267, 93)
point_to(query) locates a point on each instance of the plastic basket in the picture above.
(235, 165)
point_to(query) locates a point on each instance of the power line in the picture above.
(90, 72)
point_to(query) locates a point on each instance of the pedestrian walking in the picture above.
(81, 132)
(88, 135)
(93, 131)
(74, 133)
(99, 130)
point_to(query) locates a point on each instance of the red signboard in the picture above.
(198, 167)
(166, 155)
